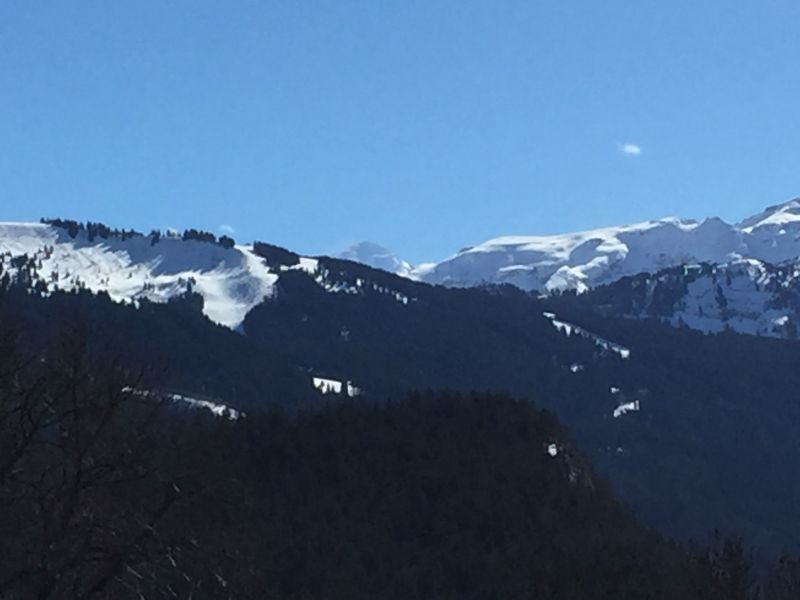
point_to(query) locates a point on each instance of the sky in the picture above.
(423, 125)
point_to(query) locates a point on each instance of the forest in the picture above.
(110, 494)
(113, 487)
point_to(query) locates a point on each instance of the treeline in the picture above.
(93, 230)
(113, 494)
(103, 231)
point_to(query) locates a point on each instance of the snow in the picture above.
(779, 214)
(746, 295)
(579, 260)
(572, 329)
(323, 278)
(231, 281)
(334, 386)
(625, 408)
(552, 450)
(220, 410)
(582, 260)
(377, 257)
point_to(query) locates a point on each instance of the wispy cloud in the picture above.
(227, 229)
(629, 149)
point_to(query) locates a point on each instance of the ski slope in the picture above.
(231, 281)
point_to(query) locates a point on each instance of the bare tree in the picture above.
(89, 481)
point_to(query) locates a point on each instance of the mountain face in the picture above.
(746, 296)
(376, 256)
(232, 279)
(679, 422)
(131, 267)
(586, 259)
(709, 276)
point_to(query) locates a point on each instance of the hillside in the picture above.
(679, 422)
(437, 495)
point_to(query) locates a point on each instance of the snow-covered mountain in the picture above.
(589, 258)
(708, 275)
(745, 295)
(376, 256)
(131, 267)
(232, 279)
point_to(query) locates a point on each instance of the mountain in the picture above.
(109, 494)
(232, 279)
(586, 259)
(130, 267)
(679, 422)
(744, 295)
(374, 255)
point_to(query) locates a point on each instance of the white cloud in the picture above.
(227, 229)
(630, 149)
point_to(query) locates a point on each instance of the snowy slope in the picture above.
(231, 281)
(745, 295)
(589, 258)
(376, 256)
(234, 280)
(129, 268)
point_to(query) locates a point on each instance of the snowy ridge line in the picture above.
(571, 328)
(746, 296)
(322, 277)
(231, 280)
(219, 410)
(585, 259)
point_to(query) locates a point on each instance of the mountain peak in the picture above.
(376, 256)
(776, 214)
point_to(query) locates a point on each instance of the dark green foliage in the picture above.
(70, 226)
(187, 352)
(443, 496)
(712, 447)
(199, 236)
(109, 494)
(275, 256)
(93, 230)
(226, 242)
(97, 486)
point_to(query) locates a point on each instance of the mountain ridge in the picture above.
(581, 260)
(235, 278)
(585, 259)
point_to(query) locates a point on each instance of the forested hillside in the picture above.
(694, 432)
(110, 494)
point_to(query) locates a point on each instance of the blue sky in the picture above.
(423, 125)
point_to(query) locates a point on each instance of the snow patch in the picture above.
(334, 386)
(572, 329)
(625, 408)
(220, 410)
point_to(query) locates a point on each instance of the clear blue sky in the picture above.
(423, 125)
